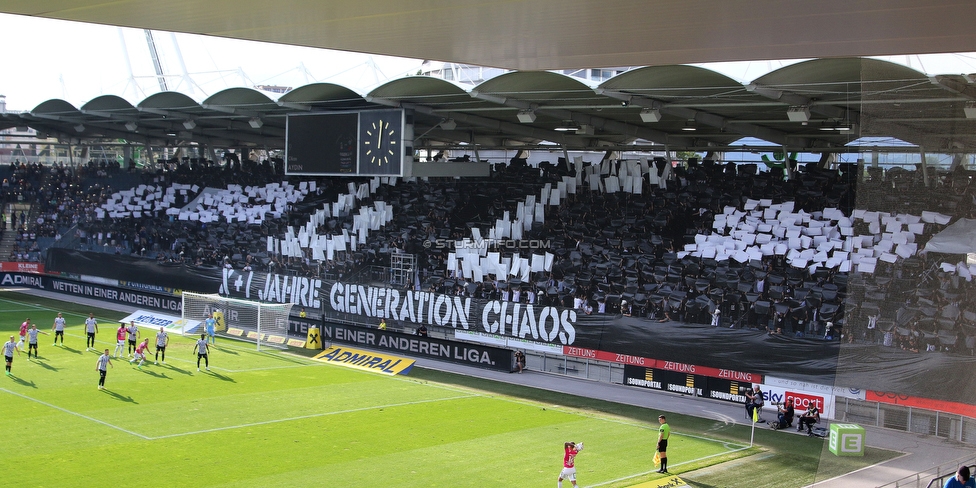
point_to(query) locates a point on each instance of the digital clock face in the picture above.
(380, 142)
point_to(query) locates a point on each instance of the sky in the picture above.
(77, 62)
(45, 59)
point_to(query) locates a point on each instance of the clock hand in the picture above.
(379, 135)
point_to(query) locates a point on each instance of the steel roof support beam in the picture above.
(700, 117)
(488, 123)
(614, 126)
(871, 125)
(965, 89)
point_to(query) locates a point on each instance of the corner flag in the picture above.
(755, 420)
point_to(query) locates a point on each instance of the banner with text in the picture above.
(486, 357)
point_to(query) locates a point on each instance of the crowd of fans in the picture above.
(614, 253)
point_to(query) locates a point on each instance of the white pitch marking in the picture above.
(677, 464)
(76, 414)
(302, 417)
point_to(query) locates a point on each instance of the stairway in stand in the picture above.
(8, 242)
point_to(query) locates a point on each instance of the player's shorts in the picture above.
(91, 334)
(201, 356)
(121, 343)
(138, 356)
(161, 348)
(132, 343)
(9, 359)
(662, 445)
(568, 474)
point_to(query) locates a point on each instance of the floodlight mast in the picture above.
(160, 76)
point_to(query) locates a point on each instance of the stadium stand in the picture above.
(612, 252)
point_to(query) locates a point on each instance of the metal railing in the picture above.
(908, 419)
(934, 477)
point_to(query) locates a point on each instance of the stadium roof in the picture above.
(817, 106)
(554, 34)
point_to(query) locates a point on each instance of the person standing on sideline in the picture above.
(210, 326)
(101, 365)
(662, 442)
(962, 479)
(569, 463)
(162, 340)
(32, 340)
(133, 331)
(203, 349)
(120, 340)
(140, 353)
(8, 352)
(58, 329)
(91, 328)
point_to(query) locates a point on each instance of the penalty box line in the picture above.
(310, 416)
(69, 412)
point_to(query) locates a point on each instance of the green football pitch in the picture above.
(274, 418)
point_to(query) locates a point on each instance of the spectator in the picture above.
(962, 479)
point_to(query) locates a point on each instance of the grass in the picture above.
(281, 419)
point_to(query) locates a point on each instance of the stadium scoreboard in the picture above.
(362, 143)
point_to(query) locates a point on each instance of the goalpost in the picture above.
(265, 323)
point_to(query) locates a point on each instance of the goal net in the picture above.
(264, 323)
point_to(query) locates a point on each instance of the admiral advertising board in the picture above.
(115, 294)
(18, 279)
(478, 355)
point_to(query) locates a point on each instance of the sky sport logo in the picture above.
(488, 244)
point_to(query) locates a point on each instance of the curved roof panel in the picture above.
(423, 89)
(322, 93)
(245, 98)
(674, 81)
(539, 86)
(801, 107)
(55, 106)
(169, 101)
(107, 103)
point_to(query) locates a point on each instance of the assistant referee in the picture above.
(662, 443)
